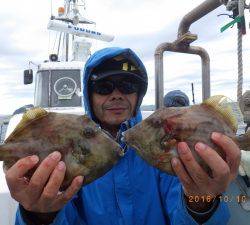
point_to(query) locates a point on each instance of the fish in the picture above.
(155, 139)
(86, 149)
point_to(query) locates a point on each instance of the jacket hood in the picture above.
(176, 98)
(98, 58)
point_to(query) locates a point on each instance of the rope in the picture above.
(240, 66)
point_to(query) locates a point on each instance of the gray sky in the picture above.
(140, 25)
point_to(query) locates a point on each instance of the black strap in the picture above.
(201, 218)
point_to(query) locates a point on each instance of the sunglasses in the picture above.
(106, 87)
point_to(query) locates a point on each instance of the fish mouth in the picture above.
(119, 150)
(129, 139)
(108, 134)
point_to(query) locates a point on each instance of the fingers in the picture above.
(41, 193)
(54, 183)
(42, 173)
(230, 148)
(180, 171)
(19, 169)
(22, 166)
(71, 190)
(219, 167)
(53, 197)
(194, 179)
(191, 165)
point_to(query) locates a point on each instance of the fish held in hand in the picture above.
(155, 138)
(85, 148)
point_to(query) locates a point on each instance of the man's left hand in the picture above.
(197, 184)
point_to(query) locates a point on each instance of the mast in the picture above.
(67, 7)
(70, 22)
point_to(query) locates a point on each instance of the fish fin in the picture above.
(2, 152)
(9, 154)
(5, 152)
(28, 117)
(222, 105)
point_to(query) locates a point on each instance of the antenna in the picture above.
(70, 22)
(78, 31)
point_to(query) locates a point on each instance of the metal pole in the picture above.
(192, 85)
(197, 13)
(182, 45)
(159, 89)
(159, 85)
(67, 48)
(67, 35)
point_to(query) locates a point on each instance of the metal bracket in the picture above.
(186, 39)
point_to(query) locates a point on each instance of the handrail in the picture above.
(159, 84)
(182, 44)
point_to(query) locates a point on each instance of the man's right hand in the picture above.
(41, 193)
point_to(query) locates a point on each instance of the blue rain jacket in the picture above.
(132, 192)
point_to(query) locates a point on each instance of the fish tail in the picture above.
(243, 141)
(8, 151)
(3, 152)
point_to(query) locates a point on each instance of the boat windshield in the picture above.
(58, 88)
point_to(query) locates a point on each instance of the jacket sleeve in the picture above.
(66, 216)
(175, 206)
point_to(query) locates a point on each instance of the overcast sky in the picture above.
(140, 25)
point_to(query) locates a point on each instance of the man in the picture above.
(176, 98)
(132, 192)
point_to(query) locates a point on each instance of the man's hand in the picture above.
(41, 192)
(195, 181)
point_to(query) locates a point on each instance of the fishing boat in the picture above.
(58, 81)
(58, 84)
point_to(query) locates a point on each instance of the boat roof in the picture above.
(61, 65)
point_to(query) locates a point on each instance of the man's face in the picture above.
(114, 108)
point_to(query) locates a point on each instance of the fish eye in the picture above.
(168, 141)
(89, 132)
(166, 138)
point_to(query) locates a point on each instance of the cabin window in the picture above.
(58, 88)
